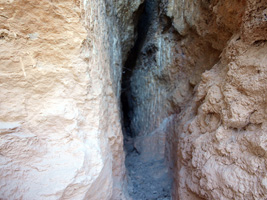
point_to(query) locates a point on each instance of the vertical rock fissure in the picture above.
(148, 176)
(142, 20)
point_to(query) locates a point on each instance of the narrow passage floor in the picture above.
(149, 179)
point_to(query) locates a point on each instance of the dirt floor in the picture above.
(148, 180)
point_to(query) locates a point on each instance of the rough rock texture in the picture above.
(163, 79)
(203, 65)
(198, 97)
(60, 131)
(220, 136)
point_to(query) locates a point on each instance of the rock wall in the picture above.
(198, 96)
(168, 68)
(220, 136)
(60, 121)
(200, 85)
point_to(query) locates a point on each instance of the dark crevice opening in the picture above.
(155, 182)
(142, 21)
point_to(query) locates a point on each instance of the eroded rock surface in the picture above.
(60, 131)
(203, 65)
(197, 94)
(221, 133)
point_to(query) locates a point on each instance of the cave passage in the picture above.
(142, 18)
(148, 179)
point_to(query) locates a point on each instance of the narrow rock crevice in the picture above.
(142, 19)
(148, 177)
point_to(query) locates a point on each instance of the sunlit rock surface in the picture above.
(60, 133)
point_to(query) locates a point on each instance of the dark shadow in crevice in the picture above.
(148, 175)
(142, 21)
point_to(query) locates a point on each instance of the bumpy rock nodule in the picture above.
(220, 137)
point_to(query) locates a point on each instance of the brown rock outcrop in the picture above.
(221, 134)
